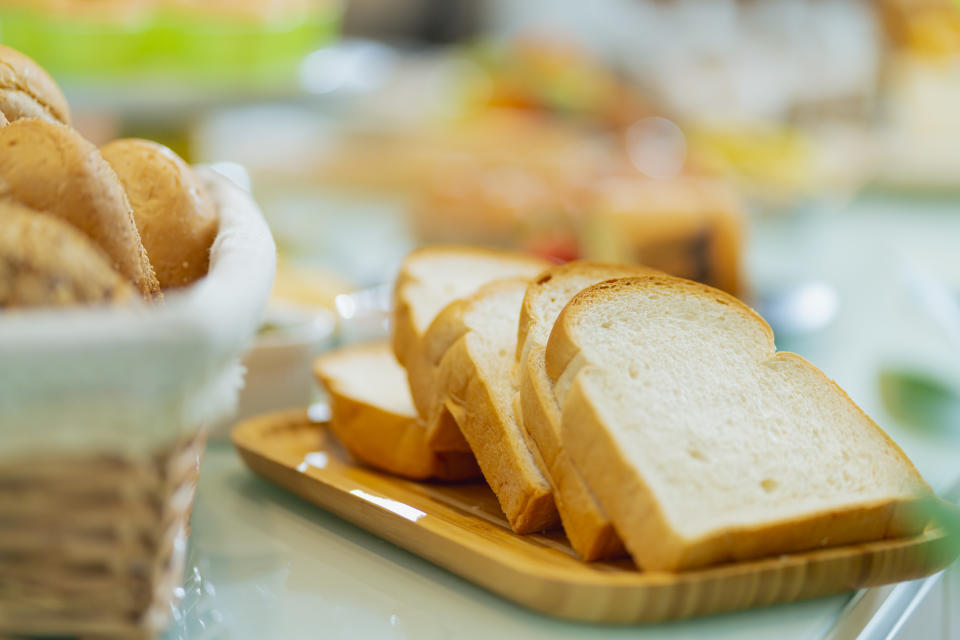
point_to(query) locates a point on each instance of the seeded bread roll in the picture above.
(49, 167)
(175, 216)
(27, 91)
(45, 262)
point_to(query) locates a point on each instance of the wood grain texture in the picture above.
(461, 528)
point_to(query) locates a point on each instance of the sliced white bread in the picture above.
(703, 444)
(589, 530)
(429, 279)
(473, 342)
(373, 416)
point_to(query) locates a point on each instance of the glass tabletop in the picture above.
(264, 564)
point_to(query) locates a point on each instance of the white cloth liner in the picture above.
(128, 380)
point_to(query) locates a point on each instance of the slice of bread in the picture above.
(429, 279)
(703, 444)
(473, 340)
(373, 416)
(588, 528)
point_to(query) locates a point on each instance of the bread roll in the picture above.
(175, 216)
(46, 262)
(27, 91)
(49, 167)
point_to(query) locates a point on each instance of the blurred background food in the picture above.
(798, 153)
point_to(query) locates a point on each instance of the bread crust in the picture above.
(563, 349)
(588, 528)
(174, 214)
(424, 374)
(46, 262)
(592, 268)
(48, 167)
(420, 358)
(382, 438)
(499, 443)
(405, 334)
(508, 466)
(27, 91)
(638, 517)
(405, 340)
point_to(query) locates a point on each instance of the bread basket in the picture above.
(102, 422)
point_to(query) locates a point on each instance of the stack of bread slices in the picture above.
(645, 414)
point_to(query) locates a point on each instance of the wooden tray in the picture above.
(461, 528)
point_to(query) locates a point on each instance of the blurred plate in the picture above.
(279, 363)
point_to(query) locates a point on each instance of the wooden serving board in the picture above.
(461, 528)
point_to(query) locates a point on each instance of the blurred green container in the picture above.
(193, 47)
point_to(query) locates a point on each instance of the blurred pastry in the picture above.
(691, 227)
(174, 213)
(45, 262)
(27, 91)
(308, 285)
(550, 76)
(249, 11)
(49, 167)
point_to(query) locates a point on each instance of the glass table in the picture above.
(264, 564)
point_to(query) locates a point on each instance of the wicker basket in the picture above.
(103, 416)
(94, 545)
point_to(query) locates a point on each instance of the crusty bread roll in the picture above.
(175, 216)
(27, 91)
(46, 262)
(3, 120)
(49, 167)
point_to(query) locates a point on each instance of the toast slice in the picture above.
(703, 444)
(588, 528)
(429, 279)
(473, 342)
(373, 416)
